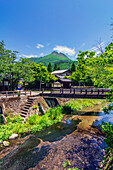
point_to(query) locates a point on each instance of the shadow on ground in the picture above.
(36, 148)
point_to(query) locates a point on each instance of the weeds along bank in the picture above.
(35, 123)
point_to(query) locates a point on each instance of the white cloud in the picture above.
(28, 56)
(41, 54)
(31, 55)
(39, 46)
(65, 50)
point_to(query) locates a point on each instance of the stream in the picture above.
(77, 142)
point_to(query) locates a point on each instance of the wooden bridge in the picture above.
(85, 93)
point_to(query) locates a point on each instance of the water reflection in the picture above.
(104, 117)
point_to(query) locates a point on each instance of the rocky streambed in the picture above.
(61, 146)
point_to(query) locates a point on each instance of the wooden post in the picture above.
(51, 90)
(13, 93)
(30, 92)
(74, 91)
(102, 91)
(81, 91)
(25, 92)
(20, 93)
(42, 90)
(70, 90)
(91, 90)
(98, 91)
(62, 91)
(86, 92)
(6, 94)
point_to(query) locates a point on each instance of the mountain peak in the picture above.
(59, 58)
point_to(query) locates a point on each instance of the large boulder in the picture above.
(13, 136)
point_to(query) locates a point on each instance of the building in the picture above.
(62, 82)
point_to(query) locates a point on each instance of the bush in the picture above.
(55, 113)
(18, 93)
(34, 107)
(15, 119)
(33, 120)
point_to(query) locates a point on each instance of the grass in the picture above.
(73, 106)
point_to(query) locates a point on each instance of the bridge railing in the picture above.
(5, 94)
(84, 91)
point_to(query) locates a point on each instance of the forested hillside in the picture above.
(59, 58)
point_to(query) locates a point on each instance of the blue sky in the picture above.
(37, 27)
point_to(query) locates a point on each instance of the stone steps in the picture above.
(25, 110)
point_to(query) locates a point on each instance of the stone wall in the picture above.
(13, 104)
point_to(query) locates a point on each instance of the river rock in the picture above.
(13, 136)
(6, 143)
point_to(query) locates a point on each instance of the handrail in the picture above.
(14, 93)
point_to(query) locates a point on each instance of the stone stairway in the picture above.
(25, 110)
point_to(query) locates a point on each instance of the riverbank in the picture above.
(53, 147)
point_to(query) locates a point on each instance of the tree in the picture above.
(58, 68)
(73, 67)
(12, 69)
(49, 68)
(55, 67)
(41, 73)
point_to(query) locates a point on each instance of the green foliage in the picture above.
(73, 106)
(65, 163)
(60, 59)
(18, 93)
(55, 67)
(14, 119)
(34, 107)
(55, 113)
(34, 119)
(49, 68)
(73, 67)
(108, 129)
(66, 109)
(12, 69)
(1, 119)
(94, 70)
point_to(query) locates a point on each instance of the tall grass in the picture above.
(75, 105)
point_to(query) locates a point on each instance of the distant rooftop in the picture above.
(59, 71)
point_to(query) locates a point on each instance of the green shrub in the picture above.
(18, 93)
(15, 119)
(34, 107)
(55, 113)
(33, 120)
(1, 119)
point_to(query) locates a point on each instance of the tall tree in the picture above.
(49, 68)
(73, 67)
(12, 69)
(55, 67)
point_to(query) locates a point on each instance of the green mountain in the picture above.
(59, 58)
